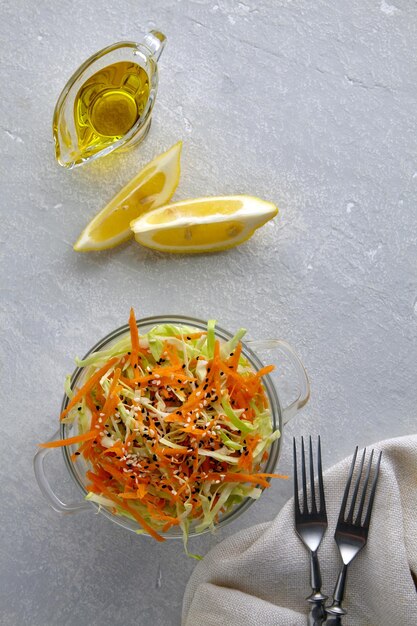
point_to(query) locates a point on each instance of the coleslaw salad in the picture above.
(174, 426)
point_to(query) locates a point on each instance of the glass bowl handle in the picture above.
(303, 382)
(45, 487)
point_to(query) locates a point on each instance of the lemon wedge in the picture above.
(152, 187)
(203, 224)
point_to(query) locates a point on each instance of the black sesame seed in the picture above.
(129, 353)
(77, 453)
(183, 366)
(79, 408)
(189, 338)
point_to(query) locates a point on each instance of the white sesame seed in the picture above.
(198, 394)
(157, 376)
(100, 419)
(102, 414)
(97, 426)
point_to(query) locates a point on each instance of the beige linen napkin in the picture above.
(260, 576)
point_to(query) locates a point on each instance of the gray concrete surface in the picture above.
(311, 104)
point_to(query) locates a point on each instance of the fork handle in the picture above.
(317, 599)
(336, 610)
(334, 620)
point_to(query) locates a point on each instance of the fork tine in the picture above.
(347, 488)
(372, 494)
(322, 506)
(349, 518)
(364, 490)
(313, 492)
(296, 502)
(303, 474)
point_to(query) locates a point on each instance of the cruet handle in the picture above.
(155, 42)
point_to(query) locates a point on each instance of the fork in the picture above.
(311, 526)
(351, 534)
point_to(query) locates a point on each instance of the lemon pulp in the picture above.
(203, 224)
(152, 187)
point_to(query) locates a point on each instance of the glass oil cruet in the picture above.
(107, 104)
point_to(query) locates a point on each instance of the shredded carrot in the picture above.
(238, 477)
(57, 443)
(172, 355)
(246, 460)
(234, 360)
(265, 370)
(88, 385)
(134, 337)
(142, 490)
(134, 514)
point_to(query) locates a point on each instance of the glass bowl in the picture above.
(280, 416)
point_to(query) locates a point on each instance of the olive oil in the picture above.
(109, 103)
